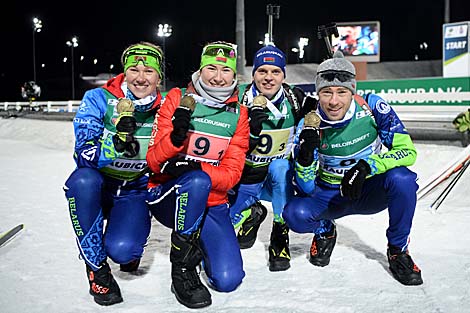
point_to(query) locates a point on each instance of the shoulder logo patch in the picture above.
(383, 107)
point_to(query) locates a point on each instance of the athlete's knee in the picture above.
(227, 281)
(279, 168)
(198, 181)
(123, 251)
(401, 179)
(84, 178)
(279, 165)
(295, 214)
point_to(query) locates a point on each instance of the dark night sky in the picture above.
(105, 28)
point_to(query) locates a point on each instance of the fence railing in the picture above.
(45, 106)
(414, 113)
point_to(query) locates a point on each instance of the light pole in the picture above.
(300, 50)
(266, 40)
(302, 43)
(272, 11)
(164, 31)
(72, 44)
(37, 26)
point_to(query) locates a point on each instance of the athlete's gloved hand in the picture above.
(353, 180)
(181, 119)
(256, 117)
(309, 141)
(178, 166)
(124, 139)
(299, 95)
(309, 104)
(462, 121)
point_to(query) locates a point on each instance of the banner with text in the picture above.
(420, 91)
(456, 57)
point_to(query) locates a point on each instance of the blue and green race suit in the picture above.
(107, 184)
(268, 171)
(361, 134)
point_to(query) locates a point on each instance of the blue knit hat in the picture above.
(269, 55)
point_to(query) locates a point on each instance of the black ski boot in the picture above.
(279, 254)
(249, 230)
(403, 268)
(103, 287)
(132, 266)
(185, 256)
(322, 247)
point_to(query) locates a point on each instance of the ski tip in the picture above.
(10, 234)
(19, 227)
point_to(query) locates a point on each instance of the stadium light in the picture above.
(164, 31)
(37, 26)
(72, 44)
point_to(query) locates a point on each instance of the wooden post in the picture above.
(361, 70)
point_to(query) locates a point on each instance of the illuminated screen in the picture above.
(359, 41)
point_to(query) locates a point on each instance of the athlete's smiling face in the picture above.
(216, 75)
(142, 80)
(268, 80)
(335, 102)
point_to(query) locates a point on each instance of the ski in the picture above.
(10, 234)
(448, 170)
(435, 205)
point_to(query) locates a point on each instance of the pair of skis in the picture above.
(10, 234)
(456, 167)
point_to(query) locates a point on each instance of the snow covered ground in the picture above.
(40, 270)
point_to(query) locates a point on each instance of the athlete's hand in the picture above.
(462, 121)
(309, 140)
(257, 117)
(179, 166)
(181, 119)
(124, 139)
(353, 180)
(310, 104)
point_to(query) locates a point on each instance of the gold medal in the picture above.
(260, 101)
(125, 105)
(188, 102)
(312, 120)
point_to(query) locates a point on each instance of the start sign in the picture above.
(456, 57)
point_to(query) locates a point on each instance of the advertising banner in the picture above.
(456, 57)
(435, 91)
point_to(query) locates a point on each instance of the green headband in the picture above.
(218, 53)
(146, 55)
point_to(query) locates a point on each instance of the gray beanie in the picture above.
(336, 72)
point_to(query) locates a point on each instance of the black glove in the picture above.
(126, 123)
(309, 141)
(178, 166)
(181, 119)
(131, 147)
(123, 139)
(299, 94)
(309, 104)
(257, 117)
(353, 180)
